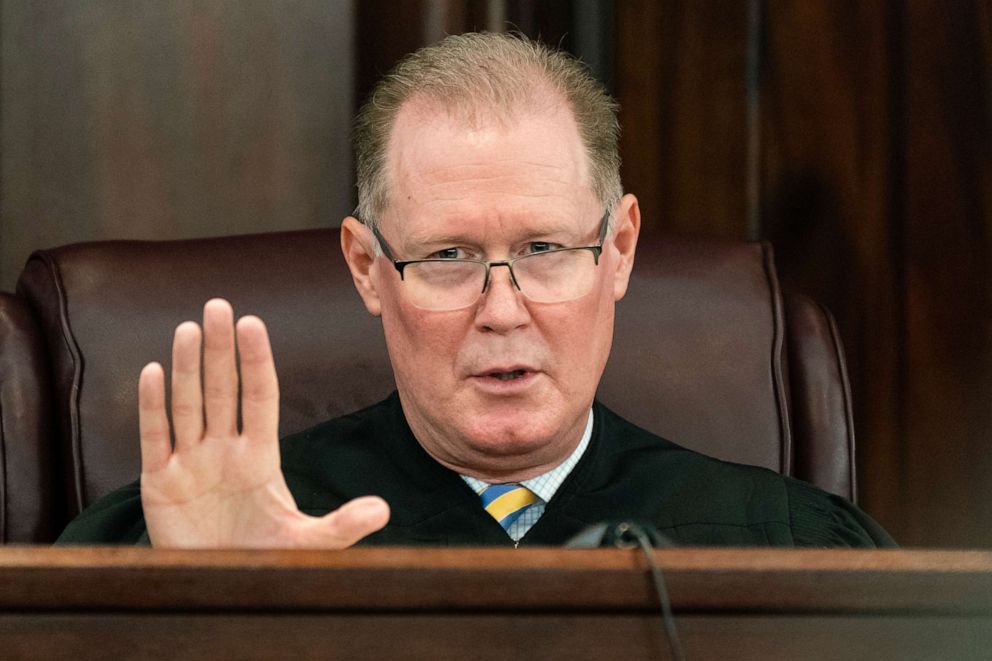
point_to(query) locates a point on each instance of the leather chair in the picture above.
(707, 352)
(30, 481)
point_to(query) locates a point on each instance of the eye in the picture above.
(448, 253)
(540, 246)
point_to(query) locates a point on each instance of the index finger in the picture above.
(153, 423)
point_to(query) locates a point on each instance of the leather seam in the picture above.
(77, 369)
(840, 365)
(781, 404)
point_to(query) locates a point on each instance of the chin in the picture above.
(513, 434)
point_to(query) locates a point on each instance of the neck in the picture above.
(496, 464)
(498, 469)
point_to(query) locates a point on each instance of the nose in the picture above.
(502, 307)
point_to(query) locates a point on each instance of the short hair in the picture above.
(486, 72)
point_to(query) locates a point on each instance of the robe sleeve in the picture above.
(117, 518)
(821, 519)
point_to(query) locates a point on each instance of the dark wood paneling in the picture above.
(384, 32)
(876, 190)
(947, 200)
(401, 603)
(680, 83)
(151, 119)
(487, 636)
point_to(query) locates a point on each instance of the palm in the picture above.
(218, 487)
(224, 490)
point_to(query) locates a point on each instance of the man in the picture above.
(493, 239)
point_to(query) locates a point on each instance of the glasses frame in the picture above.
(401, 264)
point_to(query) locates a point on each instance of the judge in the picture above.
(493, 239)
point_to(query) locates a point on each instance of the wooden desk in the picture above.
(402, 603)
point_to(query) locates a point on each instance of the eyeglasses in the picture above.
(547, 276)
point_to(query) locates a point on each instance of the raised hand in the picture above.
(219, 487)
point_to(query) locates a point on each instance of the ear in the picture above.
(357, 244)
(626, 227)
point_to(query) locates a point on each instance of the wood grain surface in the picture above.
(406, 603)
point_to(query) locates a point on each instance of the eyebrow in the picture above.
(550, 231)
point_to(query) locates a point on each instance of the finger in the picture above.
(259, 385)
(153, 424)
(220, 378)
(187, 397)
(351, 522)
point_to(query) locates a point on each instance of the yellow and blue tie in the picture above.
(506, 502)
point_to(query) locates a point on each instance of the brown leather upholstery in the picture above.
(108, 308)
(698, 351)
(707, 354)
(29, 477)
(702, 351)
(823, 424)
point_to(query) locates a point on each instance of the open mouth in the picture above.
(507, 376)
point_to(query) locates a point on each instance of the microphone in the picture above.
(618, 534)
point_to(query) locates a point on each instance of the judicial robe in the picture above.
(626, 473)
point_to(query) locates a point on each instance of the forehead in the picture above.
(481, 170)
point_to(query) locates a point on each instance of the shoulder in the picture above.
(823, 519)
(116, 518)
(699, 499)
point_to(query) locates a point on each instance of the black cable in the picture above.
(623, 533)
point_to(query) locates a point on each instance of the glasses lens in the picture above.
(443, 284)
(556, 275)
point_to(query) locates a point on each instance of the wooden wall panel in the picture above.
(150, 119)
(876, 190)
(384, 32)
(679, 80)
(947, 201)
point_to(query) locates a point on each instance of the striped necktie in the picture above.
(506, 502)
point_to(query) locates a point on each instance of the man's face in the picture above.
(493, 190)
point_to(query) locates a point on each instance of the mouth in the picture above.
(507, 376)
(506, 379)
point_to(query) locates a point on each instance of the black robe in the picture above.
(626, 473)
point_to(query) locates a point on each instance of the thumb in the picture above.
(351, 522)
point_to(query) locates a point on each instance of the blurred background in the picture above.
(855, 136)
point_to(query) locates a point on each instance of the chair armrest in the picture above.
(30, 483)
(820, 397)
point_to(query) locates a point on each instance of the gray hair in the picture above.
(486, 72)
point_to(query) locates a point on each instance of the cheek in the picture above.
(581, 334)
(598, 330)
(422, 345)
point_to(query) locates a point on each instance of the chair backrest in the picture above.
(707, 352)
(699, 355)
